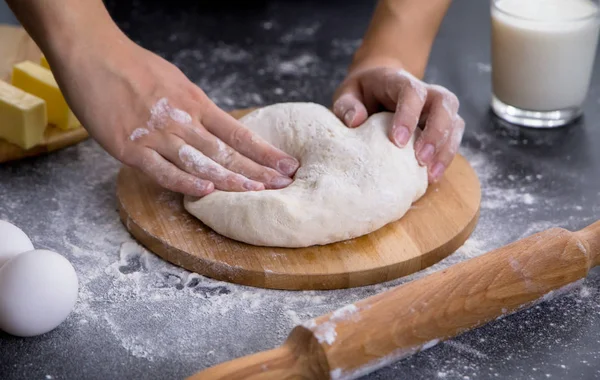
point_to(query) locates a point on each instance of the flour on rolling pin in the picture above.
(551, 295)
(326, 333)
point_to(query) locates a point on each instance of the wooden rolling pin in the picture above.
(362, 337)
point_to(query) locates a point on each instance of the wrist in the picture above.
(368, 56)
(402, 31)
(363, 62)
(79, 36)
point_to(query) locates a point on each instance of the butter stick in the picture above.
(22, 117)
(39, 81)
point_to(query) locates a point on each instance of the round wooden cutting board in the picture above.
(435, 227)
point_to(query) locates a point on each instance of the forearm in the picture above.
(401, 33)
(63, 27)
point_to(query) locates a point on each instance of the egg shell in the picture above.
(13, 241)
(38, 290)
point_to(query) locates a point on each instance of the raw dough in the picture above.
(350, 182)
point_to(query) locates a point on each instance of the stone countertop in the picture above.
(138, 317)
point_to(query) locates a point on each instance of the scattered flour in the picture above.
(344, 47)
(152, 308)
(484, 67)
(160, 114)
(268, 25)
(196, 162)
(229, 53)
(138, 133)
(180, 116)
(462, 347)
(156, 312)
(298, 65)
(528, 199)
(301, 33)
(293, 316)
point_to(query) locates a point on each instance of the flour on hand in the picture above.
(351, 181)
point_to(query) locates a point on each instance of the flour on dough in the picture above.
(350, 181)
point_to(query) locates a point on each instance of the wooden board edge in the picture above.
(59, 140)
(270, 280)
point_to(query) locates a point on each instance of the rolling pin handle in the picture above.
(591, 235)
(266, 365)
(301, 357)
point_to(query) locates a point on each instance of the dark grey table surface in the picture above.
(138, 317)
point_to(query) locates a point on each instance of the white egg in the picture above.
(12, 242)
(38, 290)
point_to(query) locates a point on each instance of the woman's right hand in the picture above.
(147, 114)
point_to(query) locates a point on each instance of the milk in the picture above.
(543, 52)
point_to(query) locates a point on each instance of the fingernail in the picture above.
(253, 186)
(426, 154)
(401, 136)
(349, 117)
(437, 171)
(288, 166)
(280, 182)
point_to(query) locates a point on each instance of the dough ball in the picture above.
(13, 241)
(38, 290)
(351, 181)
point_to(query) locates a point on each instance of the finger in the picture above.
(191, 160)
(448, 151)
(171, 177)
(411, 96)
(248, 143)
(348, 106)
(213, 147)
(237, 163)
(441, 107)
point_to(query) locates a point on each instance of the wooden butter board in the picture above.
(438, 224)
(16, 46)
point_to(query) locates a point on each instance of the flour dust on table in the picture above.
(141, 317)
(137, 308)
(351, 181)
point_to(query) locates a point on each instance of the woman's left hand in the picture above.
(369, 90)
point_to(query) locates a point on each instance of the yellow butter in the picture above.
(39, 81)
(44, 62)
(22, 117)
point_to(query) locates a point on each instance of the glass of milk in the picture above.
(542, 59)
